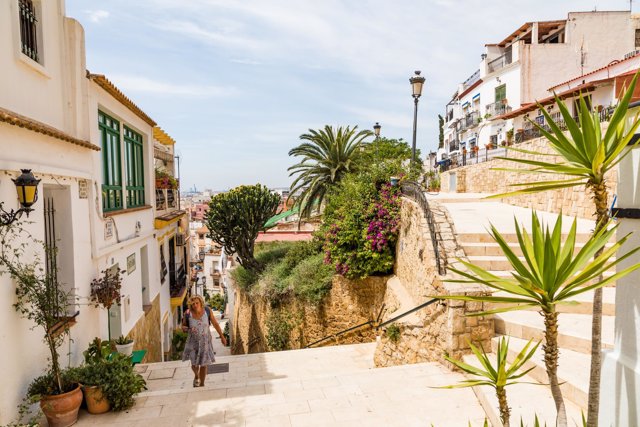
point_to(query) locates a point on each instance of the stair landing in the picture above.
(329, 386)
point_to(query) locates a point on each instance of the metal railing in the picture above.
(471, 120)
(471, 80)
(497, 108)
(414, 191)
(499, 62)
(374, 323)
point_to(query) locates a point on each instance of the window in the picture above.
(112, 186)
(135, 168)
(501, 92)
(163, 265)
(28, 29)
(637, 38)
(112, 175)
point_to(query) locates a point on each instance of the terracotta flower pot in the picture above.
(61, 410)
(96, 402)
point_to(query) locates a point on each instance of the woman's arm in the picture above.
(217, 327)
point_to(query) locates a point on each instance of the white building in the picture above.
(519, 69)
(93, 150)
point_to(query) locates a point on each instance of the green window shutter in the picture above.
(501, 92)
(112, 170)
(135, 168)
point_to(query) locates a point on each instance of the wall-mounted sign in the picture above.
(108, 229)
(83, 191)
(131, 263)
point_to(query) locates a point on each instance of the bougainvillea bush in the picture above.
(360, 227)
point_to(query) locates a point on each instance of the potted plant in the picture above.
(509, 136)
(105, 291)
(124, 345)
(59, 396)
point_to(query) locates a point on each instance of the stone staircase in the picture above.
(327, 386)
(574, 341)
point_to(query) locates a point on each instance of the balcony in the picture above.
(471, 80)
(469, 121)
(166, 200)
(498, 108)
(178, 283)
(454, 145)
(499, 63)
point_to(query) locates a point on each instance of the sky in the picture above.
(236, 83)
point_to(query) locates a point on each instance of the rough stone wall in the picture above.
(444, 327)
(349, 303)
(479, 178)
(147, 333)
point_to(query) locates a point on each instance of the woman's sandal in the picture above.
(196, 382)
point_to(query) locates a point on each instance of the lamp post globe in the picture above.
(417, 82)
(376, 130)
(27, 189)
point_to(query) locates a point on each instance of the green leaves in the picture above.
(327, 155)
(552, 268)
(236, 217)
(500, 374)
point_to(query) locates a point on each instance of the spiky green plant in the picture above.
(586, 157)
(553, 272)
(327, 155)
(498, 376)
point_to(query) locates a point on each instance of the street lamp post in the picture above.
(376, 130)
(417, 81)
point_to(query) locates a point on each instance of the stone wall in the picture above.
(479, 178)
(444, 327)
(349, 303)
(147, 333)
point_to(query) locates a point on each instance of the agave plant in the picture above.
(327, 155)
(552, 272)
(499, 376)
(586, 157)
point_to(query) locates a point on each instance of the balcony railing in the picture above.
(471, 80)
(499, 62)
(166, 199)
(469, 121)
(454, 145)
(177, 287)
(498, 108)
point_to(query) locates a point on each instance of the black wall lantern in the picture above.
(27, 189)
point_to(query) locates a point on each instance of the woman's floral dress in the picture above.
(199, 346)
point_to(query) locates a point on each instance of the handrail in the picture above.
(413, 190)
(376, 323)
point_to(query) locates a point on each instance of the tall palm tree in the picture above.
(327, 155)
(551, 273)
(586, 157)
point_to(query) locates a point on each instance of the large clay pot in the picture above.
(61, 410)
(96, 402)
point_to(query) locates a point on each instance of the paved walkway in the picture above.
(472, 213)
(330, 386)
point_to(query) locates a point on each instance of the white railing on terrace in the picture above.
(471, 80)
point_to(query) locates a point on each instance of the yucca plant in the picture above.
(498, 376)
(552, 272)
(327, 155)
(586, 156)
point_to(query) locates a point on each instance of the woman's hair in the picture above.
(194, 299)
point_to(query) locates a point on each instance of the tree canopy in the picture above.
(235, 218)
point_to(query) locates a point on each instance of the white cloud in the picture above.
(129, 83)
(245, 61)
(97, 15)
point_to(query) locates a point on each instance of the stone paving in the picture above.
(330, 386)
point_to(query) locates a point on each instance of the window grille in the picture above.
(28, 29)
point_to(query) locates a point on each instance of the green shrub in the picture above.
(279, 325)
(311, 279)
(216, 302)
(178, 342)
(243, 277)
(393, 333)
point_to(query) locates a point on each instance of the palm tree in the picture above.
(499, 376)
(327, 155)
(551, 273)
(586, 157)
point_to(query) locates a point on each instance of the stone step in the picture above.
(525, 399)
(493, 249)
(573, 370)
(464, 238)
(574, 330)
(584, 303)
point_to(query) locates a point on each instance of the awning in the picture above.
(168, 219)
(466, 104)
(476, 96)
